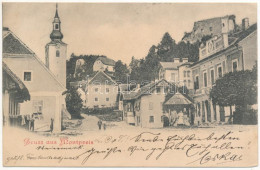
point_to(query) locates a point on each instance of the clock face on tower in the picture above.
(57, 46)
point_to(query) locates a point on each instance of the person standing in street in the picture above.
(104, 126)
(99, 124)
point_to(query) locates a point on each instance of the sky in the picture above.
(117, 30)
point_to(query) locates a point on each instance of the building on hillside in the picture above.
(104, 64)
(101, 91)
(169, 70)
(185, 75)
(177, 72)
(238, 52)
(14, 92)
(212, 26)
(46, 83)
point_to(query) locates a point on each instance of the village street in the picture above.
(89, 124)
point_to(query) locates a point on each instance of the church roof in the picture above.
(107, 61)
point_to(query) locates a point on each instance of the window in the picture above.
(234, 65)
(158, 90)
(212, 77)
(219, 71)
(185, 82)
(96, 99)
(56, 26)
(196, 83)
(27, 76)
(173, 76)
(184, 74)
(223, 24)
(107, 90)
(188, 83)
(205, 79)
(57, 53)
(188, 73)
(96, 89)
(151, 119)
(150, 106)
(107, 99)
(210, 28)
(37, 106)
(165, 89)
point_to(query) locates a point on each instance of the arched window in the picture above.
(57, 53)
(56, 26)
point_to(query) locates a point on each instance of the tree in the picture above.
(166, 48)
(73, 103)
(121, 72)
(235, 88)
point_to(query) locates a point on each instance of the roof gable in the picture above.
(107, 61)
(170, 65)
(178, 99)
(147, 89)
(12, 45)
(102, 78)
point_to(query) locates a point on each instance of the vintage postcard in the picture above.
(129, 84)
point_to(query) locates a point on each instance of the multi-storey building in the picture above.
(101, 91)
(218, 56)
(149, 105)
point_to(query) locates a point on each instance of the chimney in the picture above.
(176, 60)
(245, 23)
(225, 39)
(184, 60)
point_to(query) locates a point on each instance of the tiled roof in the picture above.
(178, 99)
(147, 89)
(102, 78)
(170, 65)
(238, 37)
(12, 45)
(107, 61)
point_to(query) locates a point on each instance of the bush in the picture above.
(74, 103)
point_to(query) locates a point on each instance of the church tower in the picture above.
(56, 51)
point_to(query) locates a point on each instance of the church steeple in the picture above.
(56, 32)
(56, 14)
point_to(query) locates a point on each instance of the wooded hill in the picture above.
(139, 70)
